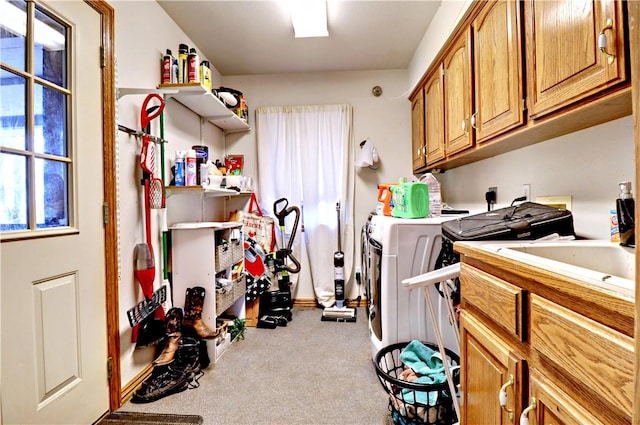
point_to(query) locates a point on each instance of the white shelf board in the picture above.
(201, 101)
(206, 192)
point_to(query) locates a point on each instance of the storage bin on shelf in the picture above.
(237, 251)
(228, 253)
(413, 403)
(229, 293)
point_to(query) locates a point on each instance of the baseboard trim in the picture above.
(127, 391)
(311, 302)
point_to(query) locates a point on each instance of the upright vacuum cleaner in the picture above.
(340, 312)
(275, 306)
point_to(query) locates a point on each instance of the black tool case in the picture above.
(526, 221)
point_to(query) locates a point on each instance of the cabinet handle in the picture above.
(473, 120)
(524, 417)
(502, 396)
(602, 42)
(424, 150)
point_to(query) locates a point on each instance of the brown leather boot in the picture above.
(173, 328)
(193, 303)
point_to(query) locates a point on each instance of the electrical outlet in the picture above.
(526, 191)
(495, 196)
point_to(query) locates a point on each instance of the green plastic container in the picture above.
(410, 200)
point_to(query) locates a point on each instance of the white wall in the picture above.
(442, 25)
(588, 165)
(385, 120)
(143, 32)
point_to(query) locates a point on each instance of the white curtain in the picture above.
(305, 154)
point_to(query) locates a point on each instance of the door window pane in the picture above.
(13, 192)
(12, 113)
(50, 135)
(50, 49)
(13, 28)
(52, 201)
(35, 117)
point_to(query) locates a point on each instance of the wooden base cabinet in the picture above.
(536, 346)
(493, 367)
(549, 405)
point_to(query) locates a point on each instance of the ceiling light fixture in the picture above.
(309, 18)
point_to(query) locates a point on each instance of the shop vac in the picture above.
(339, 312)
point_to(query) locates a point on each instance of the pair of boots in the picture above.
(182, 372)
(190, 321)
(179, 364)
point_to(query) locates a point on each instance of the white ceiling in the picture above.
(245, 37)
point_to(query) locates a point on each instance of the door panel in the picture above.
(564, 63)
(457, 95)
(54, 337)
(498, 78)
(434, 117)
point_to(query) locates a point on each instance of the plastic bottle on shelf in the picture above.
(180, 168)
(193, 66)
(167, 67)
(435, 197)
(183, 53)
(191, 173)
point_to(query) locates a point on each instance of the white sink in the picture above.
(609, 264)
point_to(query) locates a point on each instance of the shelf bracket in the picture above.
(125, 91)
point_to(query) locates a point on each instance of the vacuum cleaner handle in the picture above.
(282, 214)
(289, 248)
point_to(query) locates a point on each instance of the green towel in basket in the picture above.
(428, 364)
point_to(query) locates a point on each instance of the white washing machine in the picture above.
(399, 249)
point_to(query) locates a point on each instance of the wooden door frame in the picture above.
(633, 8)
(107, 14)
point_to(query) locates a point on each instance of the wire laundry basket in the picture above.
(404, 395)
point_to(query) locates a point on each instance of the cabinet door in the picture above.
(564, 63)
(595, 361)
(498, 79)
(551, 406)
(434, 117)
(488, 364)
(417, 132)
(457, 95)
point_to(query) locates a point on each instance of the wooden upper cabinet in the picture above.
(417, 132)
(434, 116)
(498, 78)
(564, 61)
(457, 94)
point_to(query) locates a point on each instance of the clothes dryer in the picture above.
(399, 249)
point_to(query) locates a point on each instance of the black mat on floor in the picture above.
(135, 418)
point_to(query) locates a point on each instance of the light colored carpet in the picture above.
(309, 372)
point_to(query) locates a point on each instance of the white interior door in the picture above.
(53, 298)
